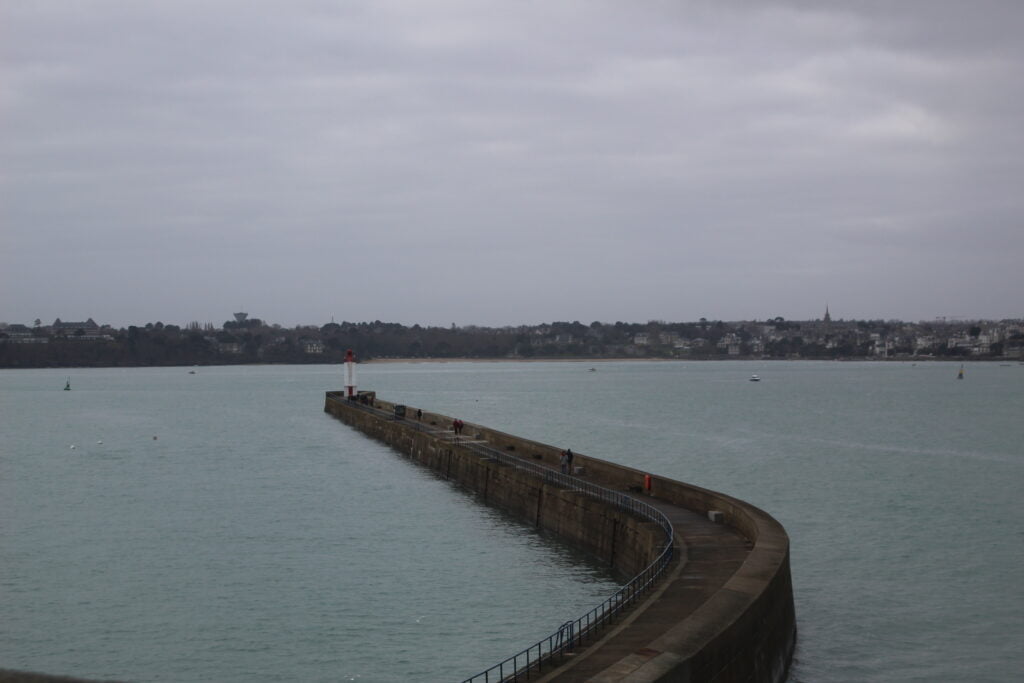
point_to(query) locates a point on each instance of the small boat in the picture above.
(67, 386)
(755, 378)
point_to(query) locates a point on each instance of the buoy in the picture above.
(154, 437)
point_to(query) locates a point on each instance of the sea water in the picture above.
(217, 526)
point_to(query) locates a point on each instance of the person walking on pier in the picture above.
(564, 462)
(568, 459)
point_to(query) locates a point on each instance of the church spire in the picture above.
(828, 318)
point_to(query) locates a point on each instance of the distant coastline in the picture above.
(250, 341)
(580, 361)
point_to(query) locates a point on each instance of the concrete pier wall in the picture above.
(742, 630)
(627, 543)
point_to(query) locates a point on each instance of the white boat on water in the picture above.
(755, 378)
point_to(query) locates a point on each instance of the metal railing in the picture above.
(550, 651)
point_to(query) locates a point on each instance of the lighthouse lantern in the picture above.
(350, 374)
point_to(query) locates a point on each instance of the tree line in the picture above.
(254, 341)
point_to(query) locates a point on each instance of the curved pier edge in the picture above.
(725, 615)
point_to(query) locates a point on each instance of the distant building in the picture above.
(70, 328)
(25, 340)
(17, 330)
(314, 346)
(21, 334)
(925, 343)
(730, 343)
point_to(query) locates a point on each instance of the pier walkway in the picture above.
(706, 555)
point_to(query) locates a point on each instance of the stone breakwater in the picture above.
(723, 611)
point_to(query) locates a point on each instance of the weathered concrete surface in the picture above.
(724, 614)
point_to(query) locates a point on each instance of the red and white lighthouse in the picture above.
(350, 374)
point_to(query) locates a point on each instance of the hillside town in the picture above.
(244, 339)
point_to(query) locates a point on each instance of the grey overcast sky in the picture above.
(504, 163)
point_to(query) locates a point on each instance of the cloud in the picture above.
(504, 162)
(903, 123)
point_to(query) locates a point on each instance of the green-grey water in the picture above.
(256, 538)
